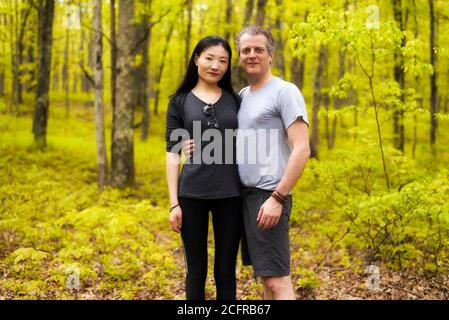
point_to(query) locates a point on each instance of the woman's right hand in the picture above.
(176, 219)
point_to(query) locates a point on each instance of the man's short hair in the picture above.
(255, 30)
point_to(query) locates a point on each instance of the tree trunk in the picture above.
(30, 55)
(113, 48)
(99, 107)
(83, 79)
(297, 71)
(399, 76)
(317, 100)
(279, 60)
(338, 102)
(248, 12)
(143, 75)
(21, 18)
(122, 174)
(65, 70)
(238, 76)
(46, 9)
(55, 68)
(228, 19)
(90, 58)
(189, 4)
(433, 79)
(297, 66)
(2, 64)
(416, 85)
(16, 63)
(10, 23)
(260, 14)
(161, 69)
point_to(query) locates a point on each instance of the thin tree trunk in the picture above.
(279, 60)
(228, 19)
(65, 70)
(45, 27)
(297, 71)
(18, 55)
(338, 102)
(18, 59)
(84, 81)
(143, 75)
(122, 173)
(90, 60)
(239, 78)
(248, 12)
(113, 49)
(99, 106)
(161, 69)
(30, 55)
(297, 66)
(189, 4)
(317, 100)
(399, 76)
(13, 57)
(415, 117)
(260, 14)
(55, 73)
(24, 15)
(433, 79)
(353, 97)
(2, 62)
(76, 78)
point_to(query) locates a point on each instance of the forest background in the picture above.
(83, 94)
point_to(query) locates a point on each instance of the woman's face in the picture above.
(212, 64)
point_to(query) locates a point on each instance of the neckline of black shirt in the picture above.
(209, 104)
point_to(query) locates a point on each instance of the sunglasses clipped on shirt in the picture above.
(209, 112)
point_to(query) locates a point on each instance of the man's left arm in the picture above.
(298, 137)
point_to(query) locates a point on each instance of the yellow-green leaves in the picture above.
(28, 255)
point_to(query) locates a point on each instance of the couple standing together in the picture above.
(243, 196)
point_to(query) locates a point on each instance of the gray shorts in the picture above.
(269, 250)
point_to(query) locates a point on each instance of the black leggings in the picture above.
(227, 223)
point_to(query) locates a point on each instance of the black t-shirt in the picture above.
(206, 177)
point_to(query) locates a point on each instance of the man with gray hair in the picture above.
(270, 106)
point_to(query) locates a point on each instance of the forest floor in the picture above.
(62, 181)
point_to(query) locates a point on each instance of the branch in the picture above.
(88, 76)
(147, 31)
(24, 22)
(103, 34)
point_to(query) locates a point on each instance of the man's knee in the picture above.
(276, 284)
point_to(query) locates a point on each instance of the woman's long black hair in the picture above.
(191, 77)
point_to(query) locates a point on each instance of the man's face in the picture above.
(254, 57)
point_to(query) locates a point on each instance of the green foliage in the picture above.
(343, 208)
(54, 224)
(307, 279)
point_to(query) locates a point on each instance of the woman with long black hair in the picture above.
(206, 103)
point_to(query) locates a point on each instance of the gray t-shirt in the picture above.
(262, 142)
